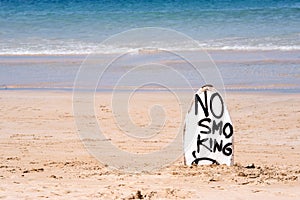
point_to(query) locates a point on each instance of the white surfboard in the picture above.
(208, 132)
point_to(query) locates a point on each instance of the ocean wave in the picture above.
(50, 47)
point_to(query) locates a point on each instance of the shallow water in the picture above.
(239, 71)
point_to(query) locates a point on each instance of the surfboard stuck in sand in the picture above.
(208, 132)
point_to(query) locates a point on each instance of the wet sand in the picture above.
(42, 156)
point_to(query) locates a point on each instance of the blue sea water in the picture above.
(77, 27)
(254, 43)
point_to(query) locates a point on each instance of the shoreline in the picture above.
(248, 90)
(240, 71)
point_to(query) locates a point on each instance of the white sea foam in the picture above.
(56, 47)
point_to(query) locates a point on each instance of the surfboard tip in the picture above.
(206, 87)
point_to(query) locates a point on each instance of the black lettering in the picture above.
(204, 108)
(210, 143)
(200, 142)
(194, 154)
(228, 135)
(211, 105)
(217, 126)
(227, 150)
(218, 146)
(197, 160)
(205, 126)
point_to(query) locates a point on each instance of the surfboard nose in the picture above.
(206, 87)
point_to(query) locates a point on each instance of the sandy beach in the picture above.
(42, 155)
(156, 51)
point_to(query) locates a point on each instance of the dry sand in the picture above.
(42, 156)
